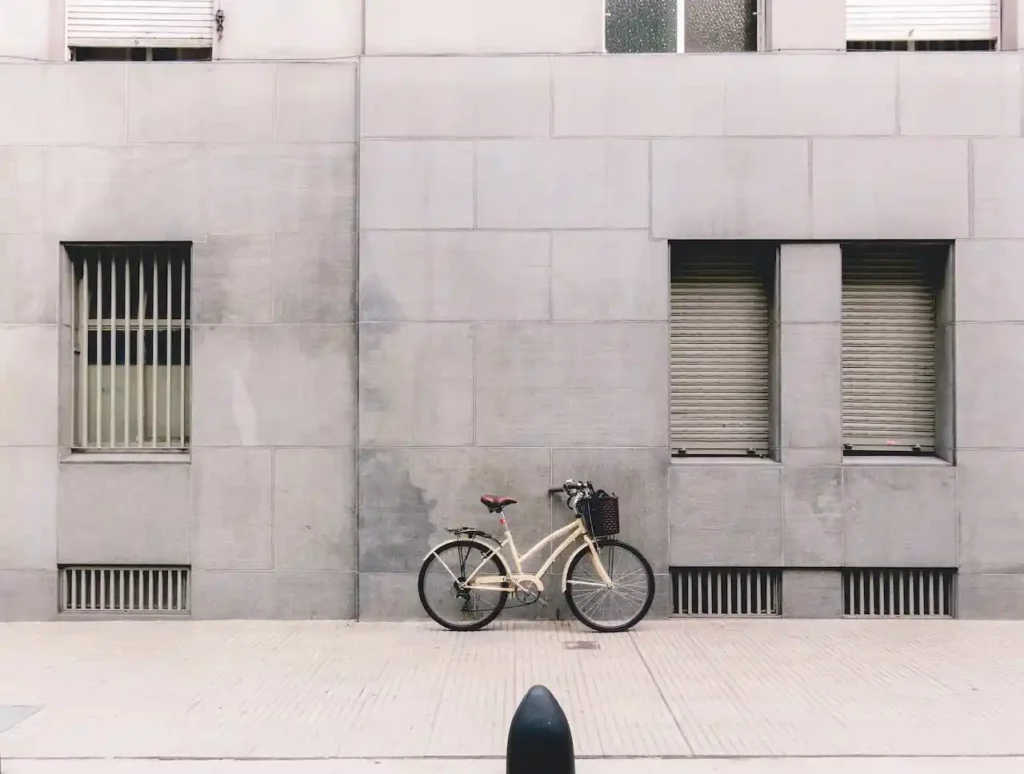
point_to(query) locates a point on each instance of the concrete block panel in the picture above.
(415, 384)
(730, 189)
(273, 595)
(232, 509)
(290, 188)
(562, 184)
(795, 25)
(810, 283)
(408, 496)
(890, 188)
(810, 387)
(124, 513)
(389, 596)
(989, 385)
(990, 597)
(413, 184)
(316, 102)
(484, 27)
(988, 275)
(291, 29)
(21, 197)
(276, 385)
(29, 359)
(232, 279)
(314, 278)
(28, 511)
(899, 515)
(799, 95)
(960, 94)
(998, 188)
(454, 275)
(315, 509)
(990, 501)
(630, 95)
(28, 595)
(812, 594)
(30, 266)
(725, 514)
(572, 384)
(812, 508)
(640, 479)
(60, 104)
(455, 97)
(126, 194)
(201, 102)
(609, 275)
(26, 30)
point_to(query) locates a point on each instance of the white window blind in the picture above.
(150, 23)
(889, 347)
(132, 346)
(719, 338)
(923, 20)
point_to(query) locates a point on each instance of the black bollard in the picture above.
(539, 738)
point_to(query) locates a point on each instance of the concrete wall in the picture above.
(255, 163)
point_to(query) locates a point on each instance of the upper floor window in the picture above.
(147, 30)
(922, 25)
(697, 26)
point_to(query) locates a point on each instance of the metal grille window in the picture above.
(102, 54)
(720, 331)
(898, 592)
(132, 346)
(889, 347)
(731, 591)
(90, 589)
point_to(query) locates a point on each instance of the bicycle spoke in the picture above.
(628, 594)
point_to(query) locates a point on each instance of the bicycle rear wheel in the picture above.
(619, 607)
(444, 597)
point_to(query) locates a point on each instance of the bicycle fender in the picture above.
(568, 564)
(441, 545)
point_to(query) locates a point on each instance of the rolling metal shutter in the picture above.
(922, 19)
(147, 23)
(719, 354)
(889, 298)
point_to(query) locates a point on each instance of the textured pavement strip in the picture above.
(670, 688)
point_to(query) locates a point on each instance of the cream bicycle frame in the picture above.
(572, 532)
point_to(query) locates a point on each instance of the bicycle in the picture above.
(596, 520)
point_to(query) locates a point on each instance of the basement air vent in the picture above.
(112, 590)
(726, 591)
(899, 592)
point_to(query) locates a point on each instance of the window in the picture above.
(700, 26)
(131, 319)
(890, 324)
(922, 25)
(106, 54)
(150, 26)
(720, 344)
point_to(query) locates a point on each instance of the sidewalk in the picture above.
(358, 692)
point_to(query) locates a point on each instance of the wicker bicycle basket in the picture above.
(601, 515)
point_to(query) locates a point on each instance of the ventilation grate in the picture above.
(726, 591)
(899, 592)
(124, 590)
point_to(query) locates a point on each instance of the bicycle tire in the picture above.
(475, 625)
(597, 627)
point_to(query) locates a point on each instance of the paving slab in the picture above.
(678, 689)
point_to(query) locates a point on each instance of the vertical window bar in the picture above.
(140, 360)
(183, 366)
(112, 441)
(127, 349)
(156, 352)
(83, 356)
(125, 604)
(170, 349)
(97, 404)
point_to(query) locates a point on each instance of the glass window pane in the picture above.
(640, 26)
(720, 25)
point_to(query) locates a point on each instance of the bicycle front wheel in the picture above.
(445, 594)
(614, 608)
